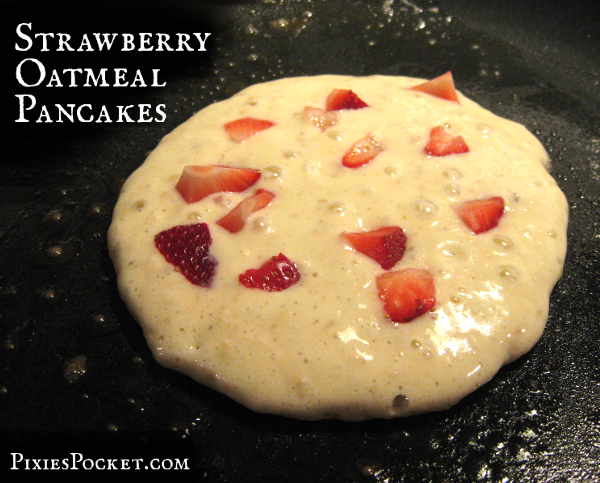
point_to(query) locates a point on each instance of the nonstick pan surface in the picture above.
(75, 372)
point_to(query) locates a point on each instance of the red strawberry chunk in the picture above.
(481, 215)
(442, 143)
(197, 182)
(186, 247)
(385, 245)
(442, 86)
(235, 220)
(241, 129)
(320, 118)
(406, 294)
(343, 99)
(361, 152)
(276, 274)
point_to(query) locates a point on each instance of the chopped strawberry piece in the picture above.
(361, 152)
(320, 118)
(406, 294)
(197, 182)
(186, 247)
(442, 86)
(235, 220)
(385, 245)
(276, 274)
(481, 215)
(442, 143)
(241, 129)
(343, 99)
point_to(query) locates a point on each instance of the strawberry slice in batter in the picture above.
(406, 294)
(197, 182)
(235, 220)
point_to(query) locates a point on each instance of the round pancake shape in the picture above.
(325, 346)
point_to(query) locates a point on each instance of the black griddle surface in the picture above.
(537, 420)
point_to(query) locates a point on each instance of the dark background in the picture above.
(534, 62)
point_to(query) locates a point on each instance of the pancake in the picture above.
(341, 247)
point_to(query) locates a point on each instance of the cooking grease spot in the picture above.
(97, 209)
(280, 23)
(136, 404)
(55, 216)
(55, 251)
(75, 368)
(99, 318)
(251, 29)
(49, 294)
(369, 469)
(387, 8)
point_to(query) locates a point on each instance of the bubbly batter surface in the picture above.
(324, 348)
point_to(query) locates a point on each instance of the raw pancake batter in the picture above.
(362, 249)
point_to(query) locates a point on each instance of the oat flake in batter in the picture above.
(341, 247)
